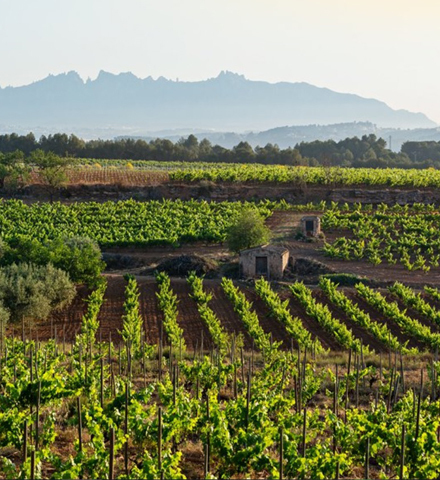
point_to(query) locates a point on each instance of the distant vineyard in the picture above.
(310, 175)
(234, 172)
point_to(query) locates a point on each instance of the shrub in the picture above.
(346, 279)
(247, 231)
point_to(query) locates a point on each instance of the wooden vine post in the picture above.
(111, 462)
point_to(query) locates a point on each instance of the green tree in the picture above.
(51, 169)
(247, 231)
(80, 257)
(244, 153)
(34, 291)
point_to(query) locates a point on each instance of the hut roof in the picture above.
(267, 248)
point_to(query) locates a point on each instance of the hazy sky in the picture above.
(386, 49)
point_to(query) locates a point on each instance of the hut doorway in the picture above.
(260, 266)
(310, 227)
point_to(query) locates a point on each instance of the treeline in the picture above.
(367, 151)
(422, 151)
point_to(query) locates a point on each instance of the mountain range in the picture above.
(127, 104)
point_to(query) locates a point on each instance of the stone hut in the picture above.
(268, 261)
(310, 226)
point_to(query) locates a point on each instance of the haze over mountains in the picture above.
(127, 105)
(286, 137)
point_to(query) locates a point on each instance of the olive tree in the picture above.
(32, 292)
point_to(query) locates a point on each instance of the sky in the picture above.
(384, 49)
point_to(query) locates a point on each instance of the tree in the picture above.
(205, 150)
(247, 231)
(13, 169)
(244, 153)
(51, 168)
(80, 257)
(34, 291)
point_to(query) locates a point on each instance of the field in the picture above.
(151, 376)
(68, 323)
(143, 173)
(201, 405)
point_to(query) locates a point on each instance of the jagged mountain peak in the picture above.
(228, 102)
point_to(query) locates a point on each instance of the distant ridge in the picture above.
(289, 136)
(229, 102)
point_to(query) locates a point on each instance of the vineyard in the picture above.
(159, 377)
(318, 319)
(140, 172)
(123, 223)
(209, 379)
(405, 235)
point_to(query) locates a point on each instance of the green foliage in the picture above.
(411, 299)
(13, 169)
(90, 322)
(247, 231)
(78, 256)
(125, 222)
(345, 279)
(50, 167)
(434, 292)
(358, 316)
(34, 291)
(392, 311)
(281, 312)
(168, 304)
(4, 318)
(422, 151)
(392, 234)
(132, 321)
(302, 176)
(243, 430)
(249, 317)
(323, 316)
(367, 151)
(218, 334)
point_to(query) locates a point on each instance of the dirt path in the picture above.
(269, 324)
(297, 310)
(224, 310)
(189, 318)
